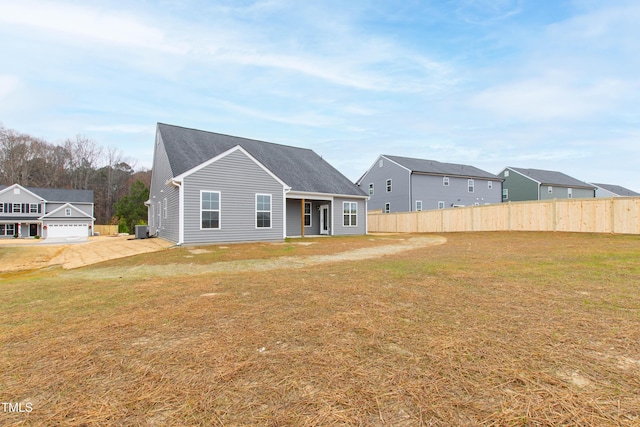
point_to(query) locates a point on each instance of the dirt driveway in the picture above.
(32, 255)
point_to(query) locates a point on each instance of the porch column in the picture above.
(302, 217)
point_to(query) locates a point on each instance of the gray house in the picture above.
(403, 184)
(609, 190)
(50, 213)
(535, 184)
(208, 187)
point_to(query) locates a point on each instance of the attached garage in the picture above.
(61, 230)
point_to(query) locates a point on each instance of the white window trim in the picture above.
(219, 210)
(33, 208)
(350, 213)
(67, 211)
(270, 212)
(389, 185)
(17, 208)
(418, 209)
(490, 185)
(445, 181)
(505, 194)
(440, 204)
(310, 214)
(570, 193)
(387, 207)
(506, 174)
(371, 189)
(471, 186)
(550, 189)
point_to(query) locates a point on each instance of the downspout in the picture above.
(411, 191)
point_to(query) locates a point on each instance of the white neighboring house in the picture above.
(610, 190)
(49, 213)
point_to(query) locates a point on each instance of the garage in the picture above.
(67, 231)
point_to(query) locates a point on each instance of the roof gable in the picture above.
(55, 212)
(545, 177)
(299, 168)
(438, 168)
(55, 194)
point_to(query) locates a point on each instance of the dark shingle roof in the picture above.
(300, 168)
(438, 168)
(545, 177)
(619, 190)
(60, 194)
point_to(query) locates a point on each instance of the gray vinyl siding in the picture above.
(84, 207)
(238, 179)
(398, 198)
(159, 190)
(430, 190)
(339, 229)
(520, 187)
(294, 218)
(23, 197)
(563, 192)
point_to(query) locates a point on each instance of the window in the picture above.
(16, 207)
(16, 190)
(388, 186)
(470, 185)
(505, 194)
(164, 208)
(445, 181)
(263, 210)
(550, 190)
(440, 205)
(307, 214)
(506, 174)
(371, 189)
(7, 229)
(418, 205)
(490, 185)
(2, 207)
(67, 212)
(381, 163)
(33, 208)
(570, 193)
(350, 214)
(387, 207)
(209, 210)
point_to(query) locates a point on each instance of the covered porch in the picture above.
(309, 216)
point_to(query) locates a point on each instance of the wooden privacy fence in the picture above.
(611, 215)
(106, 230)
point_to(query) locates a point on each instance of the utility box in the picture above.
(142, 231)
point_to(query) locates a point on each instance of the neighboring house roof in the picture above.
(60, 195)
(438, 168)
(552, 178)
(300, 168)
(617, 189)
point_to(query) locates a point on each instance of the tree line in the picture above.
(77, 163)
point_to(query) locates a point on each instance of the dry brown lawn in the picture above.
(492, 329)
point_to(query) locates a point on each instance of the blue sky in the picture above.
(492, 83)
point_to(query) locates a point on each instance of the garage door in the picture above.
(67, 231)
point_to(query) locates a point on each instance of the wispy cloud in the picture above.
(8, 84)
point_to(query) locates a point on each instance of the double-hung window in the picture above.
(307, 214)
(350, 214)
(471, 185)
(418, 205)
(389, 186)
(371, 189)
(209, 210)
(445, 181)
(263, 210)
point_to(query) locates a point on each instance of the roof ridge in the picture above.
(238, 137)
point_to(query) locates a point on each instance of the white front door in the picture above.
(324, 219)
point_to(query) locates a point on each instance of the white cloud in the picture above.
(89, 24)
(8, 85)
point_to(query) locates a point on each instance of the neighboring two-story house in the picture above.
(49, 213)
(208, 187)
(522, 184)
(403, 184)
(610, 190)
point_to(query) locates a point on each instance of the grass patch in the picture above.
(487, 329)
